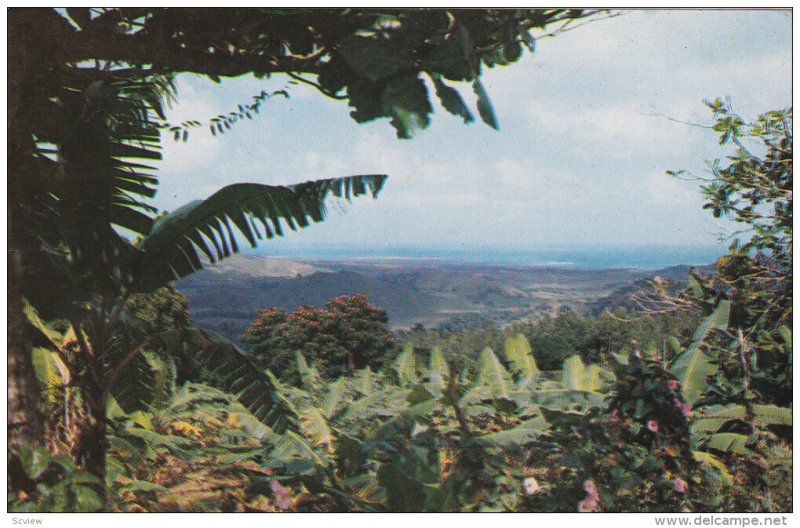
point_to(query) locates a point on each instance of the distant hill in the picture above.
(620, 298)
(227, 296)
(229, 302)
(261, 267)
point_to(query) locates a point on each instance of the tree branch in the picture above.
(315, 85)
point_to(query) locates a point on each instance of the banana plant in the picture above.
(581, 387)
(97, 175)
(354, 430)
(521, 361)
(715, 426)
(694, 365)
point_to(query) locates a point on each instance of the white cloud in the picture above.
(620, 130)
(202, 149)
(667, 191)
(579, 156)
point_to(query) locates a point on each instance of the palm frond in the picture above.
(522, 434)
(438, 364)
(363, 381)
(520, 358)
(405, 366)
(492, 375)
(382, 402)
(173, 249)
(316, 429)
(147, 382)
(693, 366)
(236, 373)
(333, 398)
(309, 376)
(92, 155)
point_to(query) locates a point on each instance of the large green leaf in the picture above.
(51, 371)
(714, 462)
(315, 427)
(711, 419)
(438, 363)
(173, 248)
(405, 366)
(42, 334)
(524, 433)
(333, 398)
(520, 358)
(177, 445)
(772, 415)
(731, 443)
(147, 382)
(597, 378)
(492, 374)
(290, 449)
(363, 380)
(574, 400)
(577, 376)
(34, 460)
(236, 373)
(485, 108)
(192, 394)
(309, 376)
(694, 366)
(573, 373)
(451, 100)
(405, 98)
(400, 424)
(381, 403)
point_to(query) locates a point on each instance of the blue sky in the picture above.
(580, 157)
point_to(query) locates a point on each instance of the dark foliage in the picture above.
(348, 334)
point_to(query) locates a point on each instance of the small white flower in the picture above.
(531, 486)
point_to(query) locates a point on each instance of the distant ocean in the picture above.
(575, 257)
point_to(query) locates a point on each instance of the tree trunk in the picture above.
(93, 444)
(26, 410)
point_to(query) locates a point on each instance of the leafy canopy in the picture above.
(753, 186)
(347, 334)
(373, 58)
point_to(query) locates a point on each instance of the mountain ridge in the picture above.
(430, 292)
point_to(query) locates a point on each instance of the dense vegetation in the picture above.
(348, 334)
(144, 411)
(555, 338)
(86, 116)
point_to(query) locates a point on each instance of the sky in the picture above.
(587, 132)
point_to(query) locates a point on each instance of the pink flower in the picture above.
(283, 500)
(592, 499)
(672, 385)
(591, 489)
(531, 486)
(614, 416)
(652, 426)
(686, 409)
(679, 484)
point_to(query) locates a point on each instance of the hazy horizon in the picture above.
(642, 256)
